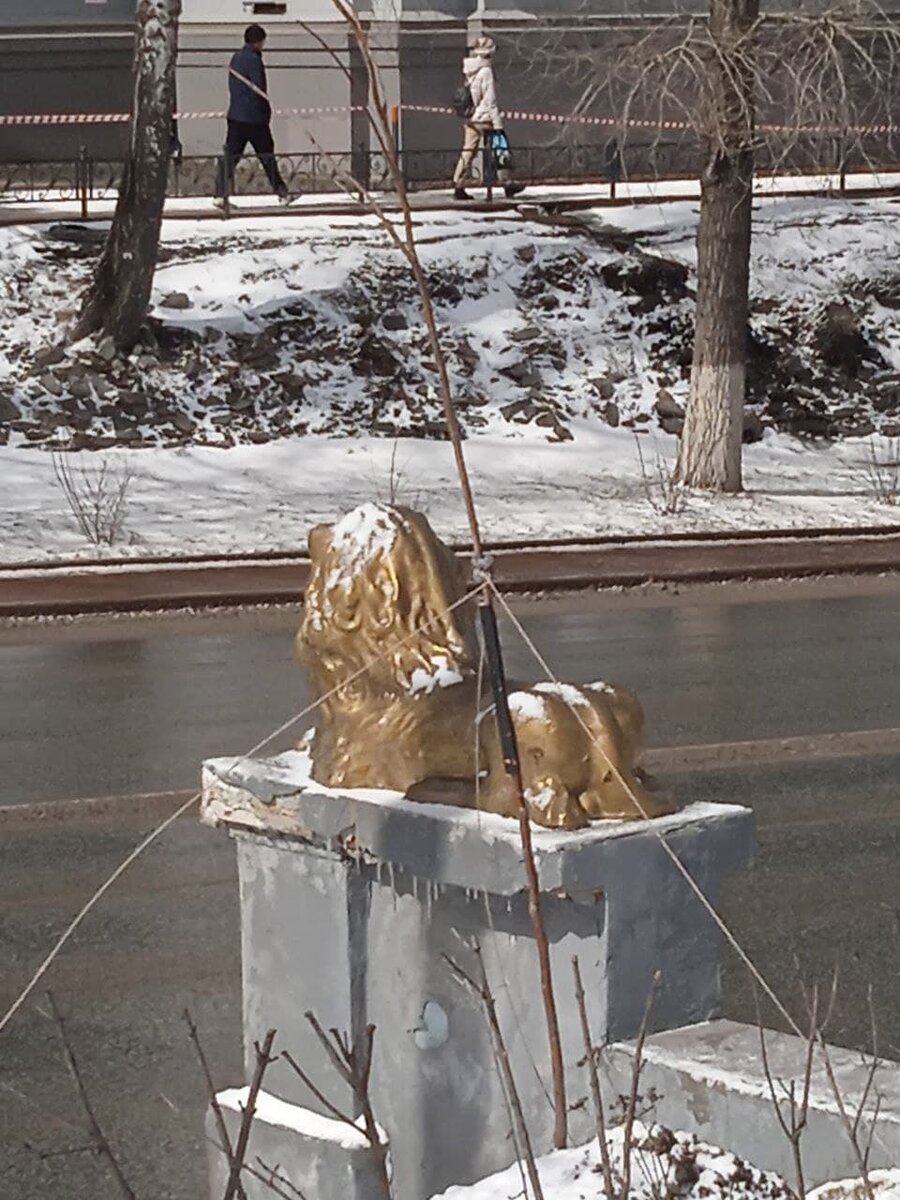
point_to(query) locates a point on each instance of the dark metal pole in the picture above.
(497, 676)
(81, 176)
(224, 166)
(396, 135)
(509, 748)
(487, 166)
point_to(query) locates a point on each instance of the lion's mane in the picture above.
(390, 645)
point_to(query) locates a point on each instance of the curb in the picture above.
(72, 588)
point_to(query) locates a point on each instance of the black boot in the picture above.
(513, 189)
(461, 194)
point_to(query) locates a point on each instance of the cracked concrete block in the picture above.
(710, 1079)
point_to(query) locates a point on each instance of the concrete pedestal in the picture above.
(711, 1080)
(292, 1151)
(350, 901)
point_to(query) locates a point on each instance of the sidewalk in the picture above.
(569, 195)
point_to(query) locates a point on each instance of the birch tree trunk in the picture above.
(710, 452)
(117, 299)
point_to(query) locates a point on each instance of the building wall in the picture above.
(74, 56)
(62, 75)
(235, 14)
(57, 15)
(59, 56)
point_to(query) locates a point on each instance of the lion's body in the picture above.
(578, 747)
(388, 638)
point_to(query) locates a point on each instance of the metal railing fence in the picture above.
(88, 179)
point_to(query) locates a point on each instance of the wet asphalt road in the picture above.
(136, 707)
(135, 712)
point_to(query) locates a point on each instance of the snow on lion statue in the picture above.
(389, 641)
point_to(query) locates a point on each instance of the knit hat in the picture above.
(484, 47)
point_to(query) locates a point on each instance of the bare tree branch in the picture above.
(98, 1137)
(318, 1093)
(590, 1052)
(226, 1146)
(353, 1064)
(794, 1124)
(851, 1123)
(263, 1060)
(631, 1108)
(406, 243)
(480, 988)
(870, 1078)
(275, 1181)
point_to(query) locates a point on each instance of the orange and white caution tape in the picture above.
(335, 110)
(124, 118)
(63, 118)
(560, 118)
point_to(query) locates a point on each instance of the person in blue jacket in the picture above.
(250, 114)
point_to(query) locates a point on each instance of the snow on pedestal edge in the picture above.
(303, 1121)
(229, 796)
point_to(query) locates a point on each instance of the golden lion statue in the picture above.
(390, 645)
(396, 667)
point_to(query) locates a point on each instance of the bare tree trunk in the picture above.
(710, 451)
(117, 299)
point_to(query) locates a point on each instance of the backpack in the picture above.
(462, 103)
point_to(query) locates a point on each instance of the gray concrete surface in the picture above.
(290, 1148)
(134, 706)
(459, 847)
(712, 1080)
(376, 933)
(167, 939)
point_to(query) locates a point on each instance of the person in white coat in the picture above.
(478, 74)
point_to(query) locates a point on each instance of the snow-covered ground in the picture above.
(884, 1185)
(289, 378)
(662, 1163)
(201, 500)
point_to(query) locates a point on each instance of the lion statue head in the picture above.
(389, 642)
